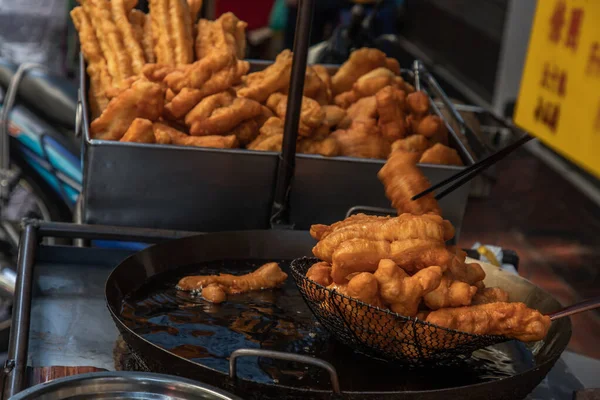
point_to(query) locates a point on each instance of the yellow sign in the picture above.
(559, 99)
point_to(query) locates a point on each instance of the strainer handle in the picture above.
(576, 308)
(280, 355)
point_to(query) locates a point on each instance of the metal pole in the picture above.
(287, 158)
(16, 364)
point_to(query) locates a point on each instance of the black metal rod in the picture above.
(21, 313)
(287, 158)
(474, 169)
(107, 232)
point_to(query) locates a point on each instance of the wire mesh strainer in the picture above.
(381, 333)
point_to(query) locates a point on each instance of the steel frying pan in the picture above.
(176, 334)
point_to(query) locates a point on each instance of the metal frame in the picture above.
(34, 231)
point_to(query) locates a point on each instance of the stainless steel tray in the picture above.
(175, 187)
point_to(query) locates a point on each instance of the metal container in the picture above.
(173, 187)
(201, 189)
(123, 385)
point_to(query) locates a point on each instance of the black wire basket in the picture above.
(381, 333)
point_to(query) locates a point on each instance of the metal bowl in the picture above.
(123, 385)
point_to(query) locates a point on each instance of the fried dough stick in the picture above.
(403, 292)
(142, 28)
(111, 43)
(260, 85)
(450, 293)
(267, 276)
(180, 138)
(128, 34)
(360, 62)
(361, 255)
(311, 113)
(143, 100)
(319, 231)
(172, 32)
(513, 320)
(402, 180)
(490, 295)
(100, 79)
(405, 226)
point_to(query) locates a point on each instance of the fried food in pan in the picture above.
(392, 118)
(360, 62)
(513, 320)
(320, 273)
(440, 154)
(143, 100)
(430, 126)
(220, 113)
(418, 104)
(140, 131)
(403, 227)
(270, 137)
(128, 35)
(402, 292)
(412, 144)
(363, 255)
(311, 113)
(490, 295)
(320, 231)
(267, 276)
(260, 85)
(214, 293)
(402, 180)
(182, 139)
(450, 293)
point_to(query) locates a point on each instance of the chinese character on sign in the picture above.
(562, 83)
(547, 113)
(593, 63)
(557, 21)
(574, 28)
(545, 75)
(597, 121)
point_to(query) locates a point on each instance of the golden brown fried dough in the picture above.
(513, 320)
(267, 276)
(214, 293)
(403, 227)
(220, 113)
(440, 154)
(402, 180)
(311, 113)
(390, 107)
(490, 295)
(139, 131)
(333, 115)
(260, 85)
(360, 62)
(368, 85)
(402, 292)
(362, 255)
(362, 139)
(320, 273)
(328, 147)
(172, 32)
(128, 35)
(450, 293)
(143, 100)
(412, 144)
(195, 6)
(100, 79)
(319, 231)
(182, 139)
(227, 34)
(364, 110)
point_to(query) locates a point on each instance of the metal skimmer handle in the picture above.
(280, 355)
(576, 308)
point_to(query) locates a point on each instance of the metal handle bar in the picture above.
(582, 306)
(280, 355)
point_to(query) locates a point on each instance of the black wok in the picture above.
(164, 327)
